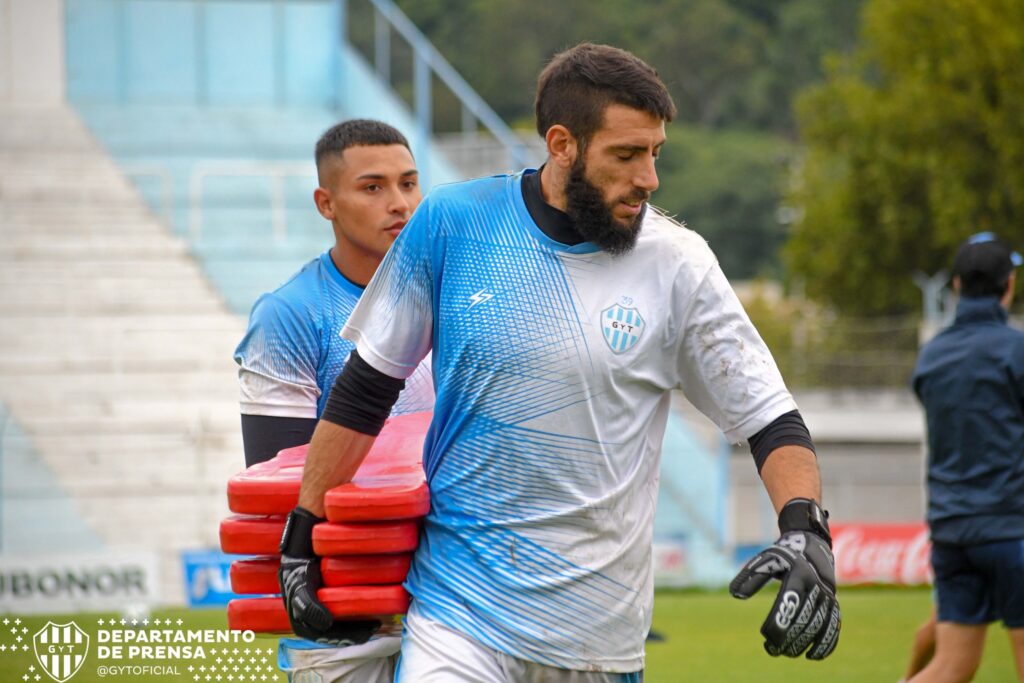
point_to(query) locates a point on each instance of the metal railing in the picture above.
(427, 64)
(276, 171)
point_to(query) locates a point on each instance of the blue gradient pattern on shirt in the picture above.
(509, 353)
(294, 336)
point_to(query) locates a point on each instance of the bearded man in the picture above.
(562, 312)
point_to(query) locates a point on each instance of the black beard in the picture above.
(593, 220)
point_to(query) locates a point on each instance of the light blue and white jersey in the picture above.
(553, 366)
(293, 350)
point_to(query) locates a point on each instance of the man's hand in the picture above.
(806, 612)
(300, 580)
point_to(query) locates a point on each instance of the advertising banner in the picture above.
(80, 582)
(882, 553)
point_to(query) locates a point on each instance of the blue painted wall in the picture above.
(167, 85)
(217, 52)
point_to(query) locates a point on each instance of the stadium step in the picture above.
(115, 350)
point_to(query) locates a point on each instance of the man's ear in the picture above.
(956, 284)
(1007, 298)
(323, 203)
(562, 146)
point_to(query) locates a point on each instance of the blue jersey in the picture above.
(553, 366)
(970, 380)
(293, 350)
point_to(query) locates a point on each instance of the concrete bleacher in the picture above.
(229, 222)
(228, 225)
(115, 353)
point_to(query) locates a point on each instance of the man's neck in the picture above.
(357, 269)
(552, 186)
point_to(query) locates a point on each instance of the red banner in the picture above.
(882, 553)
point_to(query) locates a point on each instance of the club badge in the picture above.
(61, 649)
(622, 327)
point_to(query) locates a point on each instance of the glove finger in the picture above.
(828, 638)
(785, 610)
(808, 623)
(309, 611)
(766, 565)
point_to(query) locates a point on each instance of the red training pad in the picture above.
(267, 615)
(244, 535)
(250, 535)
(365, 538)
(259, 576)
(388, 485)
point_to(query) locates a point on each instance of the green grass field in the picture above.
(709, 638)
(713, 637)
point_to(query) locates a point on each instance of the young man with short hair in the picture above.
(970, 380)
(562, 311)
(293, 350)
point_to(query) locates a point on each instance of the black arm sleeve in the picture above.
(264, 435)
(787, 429)
(362, 397)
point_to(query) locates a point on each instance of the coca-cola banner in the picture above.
(882, 553)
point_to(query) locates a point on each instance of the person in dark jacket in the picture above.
(970, 380)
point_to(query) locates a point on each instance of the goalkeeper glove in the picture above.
(806, 614)
(300, 580)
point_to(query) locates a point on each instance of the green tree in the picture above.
(726, 185)
(911, 145)
(731, 65)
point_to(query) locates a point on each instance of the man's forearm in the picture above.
(791, 472)
(335, 453)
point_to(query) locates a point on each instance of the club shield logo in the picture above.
(61, 649)
(622, 327)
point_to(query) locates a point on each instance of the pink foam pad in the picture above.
(267, 615)
(365, 538)
(258, 576)
(388, 485)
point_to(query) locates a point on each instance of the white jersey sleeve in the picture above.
(277, 361)
(725, 369)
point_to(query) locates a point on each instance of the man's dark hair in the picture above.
(354, 133)
(579, 84)
(984, 264)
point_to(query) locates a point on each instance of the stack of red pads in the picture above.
(366, 544)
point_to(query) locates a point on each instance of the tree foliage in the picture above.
(726, 185)
(913, 144)
(732, 67)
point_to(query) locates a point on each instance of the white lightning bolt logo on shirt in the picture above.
(480, 297)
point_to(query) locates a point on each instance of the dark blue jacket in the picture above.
(970, 379)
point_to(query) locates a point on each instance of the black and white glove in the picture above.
(806, 614)
(300, 580)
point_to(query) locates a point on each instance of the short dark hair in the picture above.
(984, 263)
(357, 132)
(578, 85)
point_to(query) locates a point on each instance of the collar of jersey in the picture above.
(342, 281)
(980, 309)
(538, 234)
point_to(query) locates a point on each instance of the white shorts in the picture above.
(371, 662)
(435, 653)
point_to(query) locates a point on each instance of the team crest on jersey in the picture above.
(61, 649)
(622, 327)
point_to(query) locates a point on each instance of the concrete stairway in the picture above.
(115, 352)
